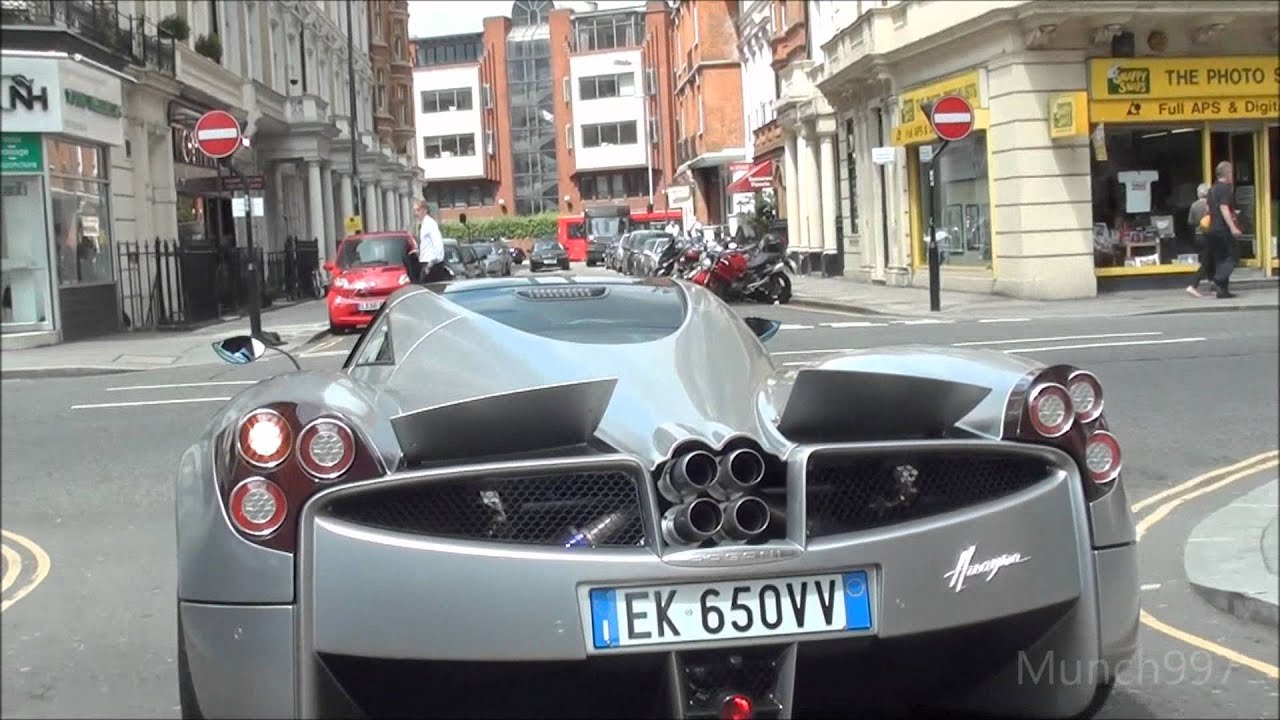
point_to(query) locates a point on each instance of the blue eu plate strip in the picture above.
(857, 601)
(604, 619)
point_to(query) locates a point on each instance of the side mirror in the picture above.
(763, 327)
(240, 350)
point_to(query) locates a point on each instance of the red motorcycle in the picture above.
(733, 276)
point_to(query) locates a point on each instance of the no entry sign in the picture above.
(217, 134)
(952, 118)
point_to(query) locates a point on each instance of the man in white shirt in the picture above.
(430, 246)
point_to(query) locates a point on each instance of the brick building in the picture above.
(549, 109)
(392, 72)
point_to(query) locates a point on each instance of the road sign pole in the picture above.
(935, 255)
(255, 283)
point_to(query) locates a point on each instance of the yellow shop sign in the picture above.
(913, 123)
(1183, 110)
(1068, 115)
(1176, 78)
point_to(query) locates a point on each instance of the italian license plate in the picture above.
(626, 617)
(370, 305)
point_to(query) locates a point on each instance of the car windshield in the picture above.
(370, 252)
(451, 253)
(606, 227)
(625, 314)
(546, 245)
(482, 249)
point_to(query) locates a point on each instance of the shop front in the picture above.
(61, 119)
(1160, 126)
(961, 203)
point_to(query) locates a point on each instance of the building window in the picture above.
(533, 129)
(381, 90)
(452, 51)
(460, 194)
(599, 87)
(612, 186)
(1143, 192)
(444, 146)
(607, 33)
(23, 249)
(398, 48)
(851, 162)
(963, 223)
(377, 25)
(530, 12)
(607, 134)
(435, 101)
(81, 225)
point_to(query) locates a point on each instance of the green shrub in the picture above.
(210, 46)
(175, 27)
(512, 227)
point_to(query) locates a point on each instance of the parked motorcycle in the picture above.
(736, 275)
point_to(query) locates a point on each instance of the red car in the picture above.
(366, 269)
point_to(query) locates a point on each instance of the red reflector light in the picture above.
(737, 707)
(1050, 410)
(1102, 457)
(326, 448)
(258, 506)
(264, 438)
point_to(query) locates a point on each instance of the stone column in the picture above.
(406, 208)
(389, 209)
(791, 177)
(810, 196)
(347, 201)
(830, 201)
(281, 222)
(326, 195)
(370, 206)
(315, 225)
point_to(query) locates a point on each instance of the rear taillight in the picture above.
(258, 506)
(271, 476)
(1062, 406)
(1050, 410)
(1102, 456)
(326, 449)
(263, 438)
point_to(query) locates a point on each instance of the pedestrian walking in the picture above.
(1198, 219)
(430, 246)
(1224, 230)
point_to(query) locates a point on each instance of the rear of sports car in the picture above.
(733, 580)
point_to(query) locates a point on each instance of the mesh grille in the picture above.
(709, 676)
(532, 509)
(845, 494)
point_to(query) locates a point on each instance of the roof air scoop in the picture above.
(853, 406)
(549, 417)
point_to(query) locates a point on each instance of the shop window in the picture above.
(1142, 191)
(612, 186)
(964, 220)
(1237, 149)
(23, 253)
(81, 223)
(1273, 143)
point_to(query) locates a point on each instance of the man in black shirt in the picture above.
(1223, 229)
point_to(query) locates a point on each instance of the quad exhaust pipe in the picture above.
(688, 476)
(738, 472)
(692, 522)
(744, 518)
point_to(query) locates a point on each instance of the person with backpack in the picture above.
(1198, 219)
(1224, 231)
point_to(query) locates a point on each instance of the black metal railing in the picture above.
(165, 284)
(132, 37)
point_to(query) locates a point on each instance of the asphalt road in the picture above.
(89, 463)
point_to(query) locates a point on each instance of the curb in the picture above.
(800, 302)
(1245, 607)
(831, 305)
(64, 371)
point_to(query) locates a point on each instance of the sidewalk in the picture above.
(866, 298)
(1230, 557)
(297, 325)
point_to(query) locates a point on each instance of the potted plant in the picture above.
(175, 27)
(210, 46)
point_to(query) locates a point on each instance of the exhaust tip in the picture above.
(692, 522)
(746, 467)
(699, 467)
(688, 475)
(752, 515)
(705, 517)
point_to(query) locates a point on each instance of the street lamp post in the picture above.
(644, 119)
(352, 124)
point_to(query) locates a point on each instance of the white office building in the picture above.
(607, 131)
(452, 141)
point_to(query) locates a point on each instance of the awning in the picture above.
(759, 177)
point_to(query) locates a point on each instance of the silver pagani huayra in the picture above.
(602, 497)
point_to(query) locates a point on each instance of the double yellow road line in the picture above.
(1167, 501)
(16, 583)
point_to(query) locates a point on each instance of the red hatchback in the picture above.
(368, 267)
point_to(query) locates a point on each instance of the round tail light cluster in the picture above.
(1102, 456)
(1086, 395)
(258, 506)
(1051, 413)
(326, 449)
(264, 438)
(1053, 409)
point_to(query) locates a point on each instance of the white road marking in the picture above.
(1004, 320)
(795, 327)
(1151, 586)
(838, 325)
(139, 403)
(1010, 341)
(184, 385)
(1103, 345)
(814, 352)
(923, 321)
(326, 344)
(326, 353)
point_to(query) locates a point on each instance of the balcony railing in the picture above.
(133, 38)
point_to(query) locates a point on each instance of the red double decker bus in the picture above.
(608, 221)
